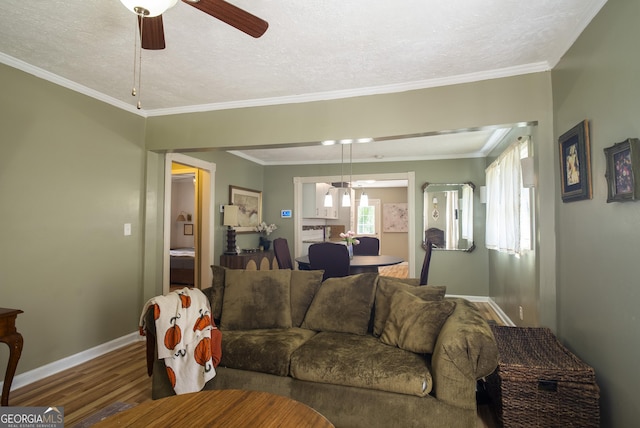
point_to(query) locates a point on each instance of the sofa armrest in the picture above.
(465, 352)
(150, 333)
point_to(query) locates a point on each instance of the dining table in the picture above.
(358, 264)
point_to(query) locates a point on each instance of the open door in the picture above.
(188, 222)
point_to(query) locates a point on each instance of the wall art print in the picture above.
(249, 204)
(395, 217)
(623, 166)
(575, 163)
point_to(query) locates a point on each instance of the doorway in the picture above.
(188, 222)
(409, 176)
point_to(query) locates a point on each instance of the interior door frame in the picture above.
(410, 176)
(205, 232)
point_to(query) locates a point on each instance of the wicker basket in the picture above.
(540, 383)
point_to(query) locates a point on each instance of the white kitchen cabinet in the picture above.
(313, 201)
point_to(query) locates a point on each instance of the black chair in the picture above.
(424, 274)
(281, 250)
(368, 246)
(330, 257)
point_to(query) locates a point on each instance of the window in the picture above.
(508, 227)
(366, 220)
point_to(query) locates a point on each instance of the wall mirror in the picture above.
(448, 216)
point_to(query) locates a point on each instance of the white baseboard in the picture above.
(505, 319)
(40, 373)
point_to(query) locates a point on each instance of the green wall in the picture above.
(598, 269)
(71, 175)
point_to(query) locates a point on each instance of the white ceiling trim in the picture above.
(321, 96)
(358, 92)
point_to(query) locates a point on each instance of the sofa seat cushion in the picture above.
(361, 361)
(266, 350)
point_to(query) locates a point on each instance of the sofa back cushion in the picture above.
(256, 299)
(304, 285)
(387, 286)
(414, 324)
(343, 304)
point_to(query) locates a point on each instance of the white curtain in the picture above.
(467, 213)
(451, 217)
(504, 183)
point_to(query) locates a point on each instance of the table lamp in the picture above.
(230, 219)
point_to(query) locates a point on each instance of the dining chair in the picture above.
(330, 257)
(424, 274)
(283, 256)
(368, 246)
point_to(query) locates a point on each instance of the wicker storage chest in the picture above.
(540, 383)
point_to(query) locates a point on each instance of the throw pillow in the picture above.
(342, 305)
(256, 299)
(414, 324)
(304, 285)
(387, 286)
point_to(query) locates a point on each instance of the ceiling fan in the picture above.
(150, 18)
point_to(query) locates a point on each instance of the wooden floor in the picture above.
(121, 376)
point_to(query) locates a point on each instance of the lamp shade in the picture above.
(154, 7)
(230, 215)
(328, 200)
(346, 199)
(364, 200)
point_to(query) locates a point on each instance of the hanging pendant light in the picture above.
(364, 199)
(328, 199)
(346, 199)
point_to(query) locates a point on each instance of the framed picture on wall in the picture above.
(623, 169)
(395, 217)
(249, 204)
(575, 163)
(188, 229)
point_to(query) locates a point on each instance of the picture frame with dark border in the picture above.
(623, 171)
(249, 204)
(575, 163)
(188, 229)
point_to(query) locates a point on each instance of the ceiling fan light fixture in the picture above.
(149, 8)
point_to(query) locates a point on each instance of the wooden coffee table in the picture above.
(220, 408)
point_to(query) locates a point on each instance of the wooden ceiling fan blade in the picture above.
(232, 15)
(151, 32)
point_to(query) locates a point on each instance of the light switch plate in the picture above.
(127, 229)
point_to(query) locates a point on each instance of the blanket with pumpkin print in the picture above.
(183, 332)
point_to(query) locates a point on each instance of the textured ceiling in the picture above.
(312, 49)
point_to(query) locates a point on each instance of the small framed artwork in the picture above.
(249, 204)
(623, 171)
(188, 229)
(575, 163)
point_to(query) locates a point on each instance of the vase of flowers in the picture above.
(349, 238)
(265, 230)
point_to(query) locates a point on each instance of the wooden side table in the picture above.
(10, 336)
(259, 260)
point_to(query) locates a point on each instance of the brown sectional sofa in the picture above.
(353, 348)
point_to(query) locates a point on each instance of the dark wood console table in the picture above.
(10, 336)
(259, 260)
